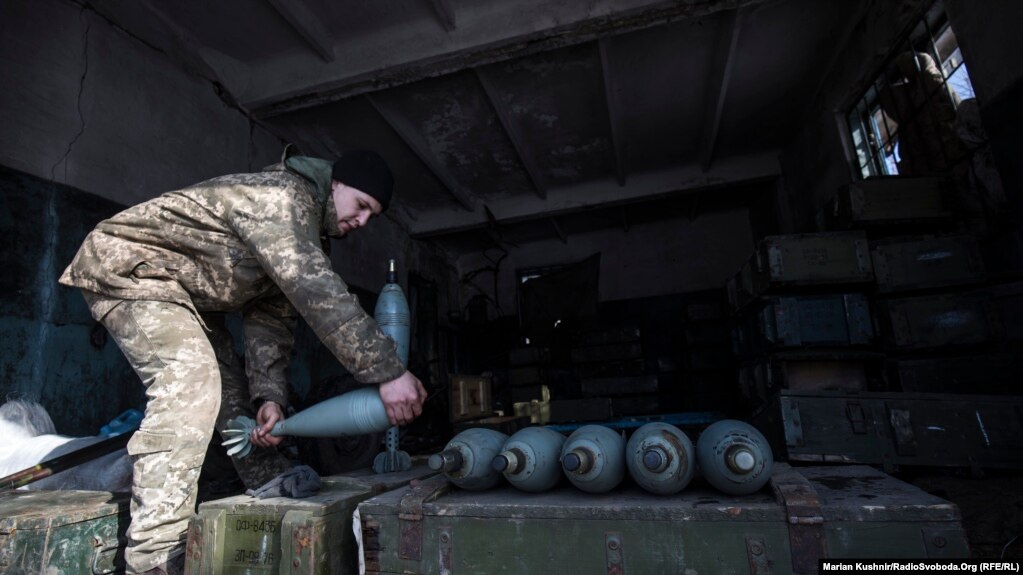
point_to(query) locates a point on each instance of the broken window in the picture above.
(905, 122)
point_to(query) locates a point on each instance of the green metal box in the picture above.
(904, 264)
(889, 429)
(242, 535)
(805, 514)
(62, 532)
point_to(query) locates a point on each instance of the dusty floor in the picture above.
(991, 507)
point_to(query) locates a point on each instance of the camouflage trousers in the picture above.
(194, 381)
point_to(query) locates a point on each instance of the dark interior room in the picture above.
(453, 286)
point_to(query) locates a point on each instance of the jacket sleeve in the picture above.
(280, 225)
(269, 326)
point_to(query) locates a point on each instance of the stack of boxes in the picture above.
(923, 319)
(803, 319)
(707, 375)
(529, 382)
(611, 372)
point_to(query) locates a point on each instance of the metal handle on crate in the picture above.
(102, 553)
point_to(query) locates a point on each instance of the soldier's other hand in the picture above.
(403, 398)
(268, 415)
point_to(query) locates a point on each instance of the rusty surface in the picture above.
(371, 545)
(410, 514)
(803, 514)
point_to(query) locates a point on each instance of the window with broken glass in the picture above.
(906, 121)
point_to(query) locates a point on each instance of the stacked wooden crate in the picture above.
(943, 332)
(707, 372)
(529, 382)
(939, 322)
(803, 319)
(612, 376)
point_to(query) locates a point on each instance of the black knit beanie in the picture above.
(366, 171)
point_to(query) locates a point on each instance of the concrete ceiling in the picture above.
(520, 120)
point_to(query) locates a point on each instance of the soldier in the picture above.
(159, 276)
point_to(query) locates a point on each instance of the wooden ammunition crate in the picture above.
(470, 397)
(623, 368)
(607, 352)
(889, 429)
(242, 535)
(802, 260)
(606, 336)
(529, 355)
(761, 379)
(527, 375)
(989, 373)
(812, 259)
(888, 200)
(506, 424)
(797, 321)
(935, 321)
(903, 264)
(538, 412)
(803, 515)
(44, 532)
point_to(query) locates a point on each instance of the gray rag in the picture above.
(298, 482)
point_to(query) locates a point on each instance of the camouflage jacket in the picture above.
(249, 243)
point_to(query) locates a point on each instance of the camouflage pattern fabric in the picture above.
(170, 352)
(249, 242)
(156, 274)
(262, 465)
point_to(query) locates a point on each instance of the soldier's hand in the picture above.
(403, 398)
(268, 415)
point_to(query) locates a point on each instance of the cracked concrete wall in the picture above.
(86, 105)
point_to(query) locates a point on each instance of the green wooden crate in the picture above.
(911, 263)
(888, 200)
(62, 532)
(242, 535)
(942, 320)
(805, 514)
(890, 429)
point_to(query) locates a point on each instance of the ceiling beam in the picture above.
(642, 187)
(445, 13)
(526, 156)
(613, 111)
(414, 140)
(307, 24)
(717, 88)
(503, 31)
